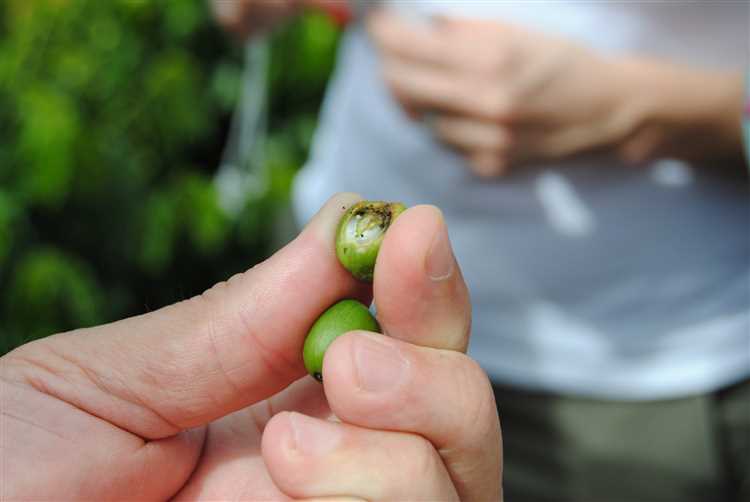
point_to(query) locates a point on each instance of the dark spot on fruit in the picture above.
(318, 376)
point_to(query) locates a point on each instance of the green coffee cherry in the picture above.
(358, 237)
(344, 316)
(360, 233)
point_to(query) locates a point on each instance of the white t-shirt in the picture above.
(587, 277)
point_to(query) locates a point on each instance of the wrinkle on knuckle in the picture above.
(212, 330)
(177, 376)
(217, 312)
(59, 373)
(278, 364)
(27, 365)
(44, 367)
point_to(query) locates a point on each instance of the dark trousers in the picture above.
(562, 448)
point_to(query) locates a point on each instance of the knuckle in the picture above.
(29, 364)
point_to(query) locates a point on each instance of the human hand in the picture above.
(207, 398)
(247, 17)
(500, 94)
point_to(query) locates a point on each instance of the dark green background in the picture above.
(114, 115)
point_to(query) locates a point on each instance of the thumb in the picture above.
(192, 362)
(420, 293)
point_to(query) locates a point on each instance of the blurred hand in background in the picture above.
(505, 96)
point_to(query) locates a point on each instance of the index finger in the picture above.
(416, 42)
(190, 363)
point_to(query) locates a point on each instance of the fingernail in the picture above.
(313, 437)
(379, 365)
(440, 262)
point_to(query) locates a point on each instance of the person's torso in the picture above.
(578, 267)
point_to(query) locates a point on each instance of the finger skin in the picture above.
(233, 452)
(192, 362)
(447, 69)
(412, 42)
(309, 457)
(486, 145)
(378, 382)
(50, 450)
(455, 45)
(420, 294)
(488, 164)
(428, 88)
(471, 134)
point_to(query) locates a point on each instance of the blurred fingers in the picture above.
(451, 44)
(470, 134)
(430, 88)
(378, 382)
(487, 164)
(436, 66)
(486, 145)
(314, 458)
(419, 43)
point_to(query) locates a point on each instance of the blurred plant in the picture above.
(114, 117)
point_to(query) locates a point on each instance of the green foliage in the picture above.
(50, 289)
(114, 117)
